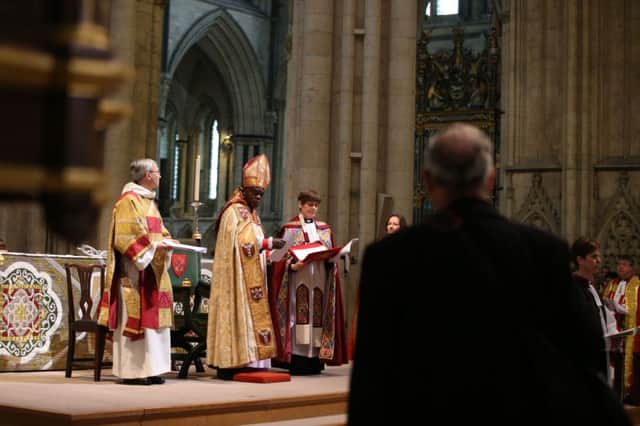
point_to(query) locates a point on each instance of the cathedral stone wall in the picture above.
(570, 150)
(136, 31)
(570, 156)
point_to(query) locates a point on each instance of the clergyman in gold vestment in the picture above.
(240, 331)
(137, 303)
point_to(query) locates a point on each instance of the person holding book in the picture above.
(137, 301)
(306, 295)
(240, 334)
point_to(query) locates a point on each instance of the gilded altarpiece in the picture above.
(454, 85)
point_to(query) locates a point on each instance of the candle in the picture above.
(196, 181)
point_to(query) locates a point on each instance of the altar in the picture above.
(34, 328)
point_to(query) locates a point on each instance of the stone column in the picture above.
(401, 113)
(148, 60)
(507, 99)
(342, 132)
(574, 180)
(136, 39)
(118, 144)
(370, 122)
(308, 100)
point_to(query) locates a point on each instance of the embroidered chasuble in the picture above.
(240, 330)
(307, 304)
(136, 225)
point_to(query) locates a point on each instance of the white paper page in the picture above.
(627, 332)
(175, 245)
(302, 254)
(346, 249)
(278, 254)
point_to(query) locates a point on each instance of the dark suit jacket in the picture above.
(473, 319)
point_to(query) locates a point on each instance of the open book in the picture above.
(318, 251)
(346, 249)
(628, 332)
(313, 251)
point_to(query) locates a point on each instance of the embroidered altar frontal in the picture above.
(33, 331)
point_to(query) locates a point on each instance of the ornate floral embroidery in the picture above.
(302, 304)
(257, 293)
(32, 311)
(317, 307)
(249, 249)
(244, 213)
(265, 336)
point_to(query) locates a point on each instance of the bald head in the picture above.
(458, 161)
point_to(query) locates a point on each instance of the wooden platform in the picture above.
(47, 398)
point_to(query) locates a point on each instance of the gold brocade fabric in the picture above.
(631, 296)
(240, 330)
(130, 236)
(257, 172)
(610, 289)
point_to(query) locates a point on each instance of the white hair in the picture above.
(459, 158)
(139, 168)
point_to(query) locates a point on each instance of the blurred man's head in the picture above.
(458, 163)
(624, 267)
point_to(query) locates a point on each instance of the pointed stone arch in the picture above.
(225, 44)
(618, 226)
(215, 72)
(538, 208)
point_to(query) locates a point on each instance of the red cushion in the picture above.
(262, 377)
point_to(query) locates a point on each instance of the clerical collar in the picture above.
(308, 220)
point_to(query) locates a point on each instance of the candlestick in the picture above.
(196, 181)
(196, 235)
